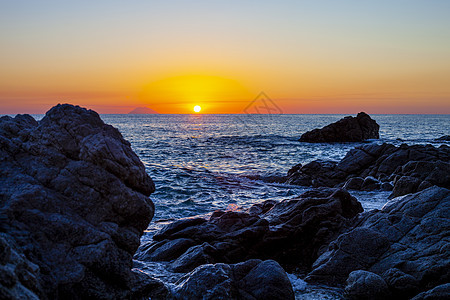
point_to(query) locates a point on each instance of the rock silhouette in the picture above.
(348, 129)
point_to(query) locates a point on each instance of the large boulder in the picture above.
(253, 279)
(405, 169)
(292, 232)
(406, 243)
(348, 129)
(73, 205)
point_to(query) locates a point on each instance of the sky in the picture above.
(313, 56)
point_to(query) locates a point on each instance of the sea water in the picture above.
(201, 163)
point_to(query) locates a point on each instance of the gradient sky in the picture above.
(307, 56)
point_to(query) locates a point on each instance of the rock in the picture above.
(193, 257)
(441, 292)
(292, 232)
(366, 285)
(354, 183)
(404, 286)
(405, 185)
(421, 166)
(444, 138)
(253, 279)
(370, 184)
(348, 129)
(387, 186)
(74, 199)
(19, 277)
(408, 234)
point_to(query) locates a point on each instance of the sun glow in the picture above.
(179, 94)
(197, 108)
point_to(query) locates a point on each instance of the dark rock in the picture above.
(370, 184)
(348, 129)
(408, 234)
(193, 257)
(164, 251)
(292, 232)
(421, 165)
(444, 138)
(19, 277)
(354, 183)
(74, 198)
(405, 185)
(253, 279)
(404, 286)
(441, 292)
(387, 186)
(366, 285)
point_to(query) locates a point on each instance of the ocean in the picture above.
(201, 163)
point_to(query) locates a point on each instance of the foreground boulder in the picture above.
(406, 244)
(73, 206)
(348, 129)
(253, 279)
(292, 232)
(405, 169)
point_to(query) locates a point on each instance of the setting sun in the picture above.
(197, 108)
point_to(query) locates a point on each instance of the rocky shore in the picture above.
(404, 169)
(75, 203)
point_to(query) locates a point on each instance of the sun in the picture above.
(197, 108)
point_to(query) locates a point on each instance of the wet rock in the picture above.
(74, 199)
(292, 232)
(253, 279)
(348, 129)
(421, 166)
(409, 233)
(366, 285)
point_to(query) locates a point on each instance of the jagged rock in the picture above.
(292, 232)
(348, 129)
(421, 166)
(366, 285)
(19, 278)
(253, 279)
(410, 233)
(74, 198)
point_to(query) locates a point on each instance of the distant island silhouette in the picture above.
(143, 111)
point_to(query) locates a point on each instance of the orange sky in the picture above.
(308, 57)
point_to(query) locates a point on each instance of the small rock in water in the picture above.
(348, 129)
